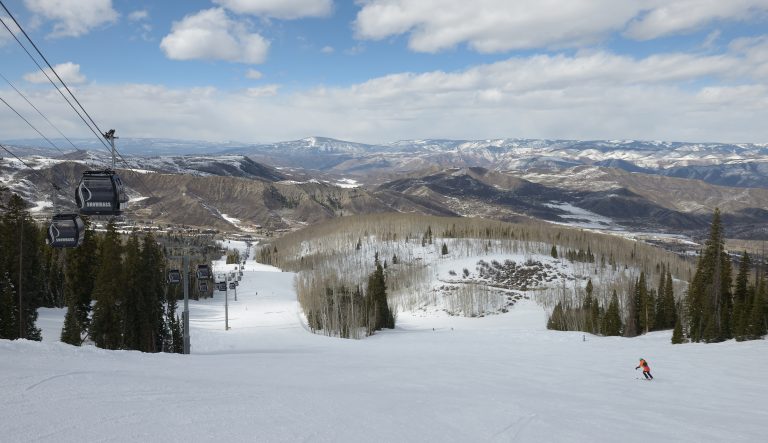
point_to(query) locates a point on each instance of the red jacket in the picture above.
(644, 365)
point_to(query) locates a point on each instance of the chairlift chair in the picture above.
(174, 276)
(65, 231)
(100, 193)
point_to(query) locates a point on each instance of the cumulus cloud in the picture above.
(680, 16)
(212, 35)
(69, 72)
(280, 9)
(73, 18)
(502, 25)
(587, 95)
(327, 50)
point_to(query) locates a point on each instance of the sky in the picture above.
(378, 71)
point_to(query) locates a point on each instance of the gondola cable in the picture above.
(52, 82)
(100, 134)
(31, 125)
(18, 25)
(39, 112)
(66, 230)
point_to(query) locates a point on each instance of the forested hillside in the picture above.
(466, 266)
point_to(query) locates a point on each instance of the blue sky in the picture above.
(384, 70)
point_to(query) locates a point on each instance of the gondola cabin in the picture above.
(232, 285)
(65, 231)
(202, 287)
(221, 286)
(174, 277)
(100, 193)
(203, 272)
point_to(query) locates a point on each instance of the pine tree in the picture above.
(709, 299)
(645, 305)
(81, 269)
(757, 326)
(553, 251)
(70, 333)
(379, 312)
(670, 305)
(132, 311)
(742, 299)
(677, 333)
(612, 320)
(557, 320)
(153, 293)
(106, 324)
(21, 241)
(9, 329)
(444, 249)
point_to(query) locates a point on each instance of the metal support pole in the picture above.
(226, 302)
(21, 263)
(185, 313)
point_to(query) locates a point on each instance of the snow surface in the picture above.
(435, 378)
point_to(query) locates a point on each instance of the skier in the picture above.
(646, 369)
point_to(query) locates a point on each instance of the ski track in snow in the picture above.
(433, 379)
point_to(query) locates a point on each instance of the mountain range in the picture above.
(639, 185)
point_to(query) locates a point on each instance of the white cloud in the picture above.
(139, 15)
(327, 50)
(263, 91)
(587, 95)
(681, 16)
(280, 9)
(69, 72)
(253, 74)
(212, 35)
(73, 18)
(503, 25)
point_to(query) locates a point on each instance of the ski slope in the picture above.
(433, 379)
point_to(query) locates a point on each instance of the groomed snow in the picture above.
(435, 378)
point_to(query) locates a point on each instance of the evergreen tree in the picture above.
(444, 249)
(81, 269)
(557, 320)
(71, 331)
(553, 251)
(153, 272)
(757, 325)
(9, 329)
(677, 333)
(131, 310)
(709, 299)
(20, 241)
(612, 320)
(742, 299)
(106, 327)
(670, 317)
(380, 315)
